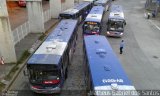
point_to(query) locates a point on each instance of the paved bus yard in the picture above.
(138, 60)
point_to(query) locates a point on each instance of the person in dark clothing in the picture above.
(154, 13)
(121, 46)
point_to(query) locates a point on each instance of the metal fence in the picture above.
(21, 31)
(47, 15)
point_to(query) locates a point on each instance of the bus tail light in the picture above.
(95, 33)
(51, 82)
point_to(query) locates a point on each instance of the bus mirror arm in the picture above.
(125, 23)
(25, 73)
(107, 23)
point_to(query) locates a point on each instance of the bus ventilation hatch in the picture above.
(60, 32)
(107, 68)
(93, 16)
(51, 47)
(101, 52)
(96, 41)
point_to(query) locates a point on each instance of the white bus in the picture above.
(116, 21)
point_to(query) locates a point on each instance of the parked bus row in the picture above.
(47, 68)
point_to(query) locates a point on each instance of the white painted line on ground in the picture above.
(154, 25)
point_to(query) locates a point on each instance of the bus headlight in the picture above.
(121, 33)
(108, 32)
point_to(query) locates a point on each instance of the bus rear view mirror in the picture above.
(125, 23)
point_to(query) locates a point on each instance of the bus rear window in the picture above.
(37, 76)
(38, 73)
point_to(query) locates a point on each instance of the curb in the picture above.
(21, 66)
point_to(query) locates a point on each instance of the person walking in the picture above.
(121, 46)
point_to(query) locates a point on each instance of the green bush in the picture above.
(11, 73)
(42, 37)
(23, 57)
(1, 86)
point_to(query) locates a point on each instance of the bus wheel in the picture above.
(66, 74)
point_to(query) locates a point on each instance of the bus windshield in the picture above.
(116, 26)
(91, 28)
(37, 76)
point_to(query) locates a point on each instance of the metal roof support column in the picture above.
(7, 49)
(35, 16)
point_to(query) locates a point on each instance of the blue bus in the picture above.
(93, 22)
(47, 67)
(116, 21)
(78, 12)
(103, 71)
(105, 3)
(90, 1)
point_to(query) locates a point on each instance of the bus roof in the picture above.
(116, 12)
(96, 14)
(76, 8)
(89, 0)
(101, 2)
(104, 65)
(51, 50)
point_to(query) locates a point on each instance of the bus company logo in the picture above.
(112, 80)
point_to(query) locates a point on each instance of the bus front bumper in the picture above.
(47, 90)
(114, 34)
